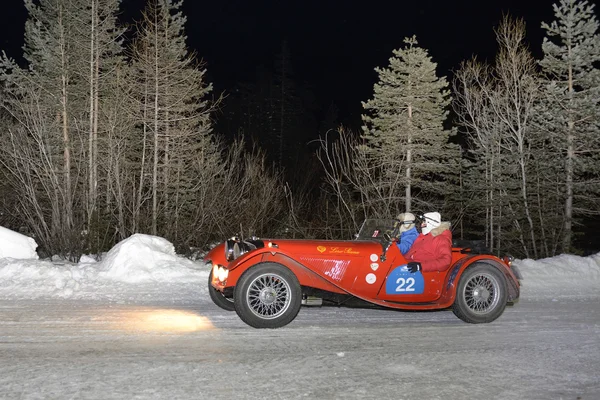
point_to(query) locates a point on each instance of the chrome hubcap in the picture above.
(481, 294)
(267, 296)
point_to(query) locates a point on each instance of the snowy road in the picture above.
(67, 349)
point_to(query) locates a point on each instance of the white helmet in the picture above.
(431, 220)
(406, 220)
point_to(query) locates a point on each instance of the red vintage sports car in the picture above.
(266, 281)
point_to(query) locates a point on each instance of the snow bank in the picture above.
(142, 258)
(15, 245)
(561, 276)
(136, 267)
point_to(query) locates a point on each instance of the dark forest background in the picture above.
(133, 116)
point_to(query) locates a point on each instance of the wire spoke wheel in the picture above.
(481, 294)
(268, 296)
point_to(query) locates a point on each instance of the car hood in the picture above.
(328, 248)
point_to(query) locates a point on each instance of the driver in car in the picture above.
(432, 250)
(408, 232)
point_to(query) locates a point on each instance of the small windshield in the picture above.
(376, 228)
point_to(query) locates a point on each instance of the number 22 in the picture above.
(401, 282)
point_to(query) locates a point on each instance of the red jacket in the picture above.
(434, 250)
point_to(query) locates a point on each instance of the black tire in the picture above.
(267, 295)
(481, 294)
(218, 298)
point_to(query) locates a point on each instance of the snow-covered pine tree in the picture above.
(404, 139)
(571, 112)
(175, 130)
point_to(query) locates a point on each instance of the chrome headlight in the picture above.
(235, 247)
(240, 248)
(229, 244)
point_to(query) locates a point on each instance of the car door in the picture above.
(367, 276)
(403, 286)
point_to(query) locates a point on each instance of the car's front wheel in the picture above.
(267, 295)
(481, 295)
(218, 298)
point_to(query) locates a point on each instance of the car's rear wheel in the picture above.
(481, 295)
(218, 298)
(267, 295)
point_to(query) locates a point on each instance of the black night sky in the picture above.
(334, 45)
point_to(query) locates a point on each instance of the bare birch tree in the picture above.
(496, 106)
(472, 84)
(42, 145)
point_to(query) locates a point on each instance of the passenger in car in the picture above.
(432, 249)
(408, 232)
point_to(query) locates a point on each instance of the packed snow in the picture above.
(143, 264)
